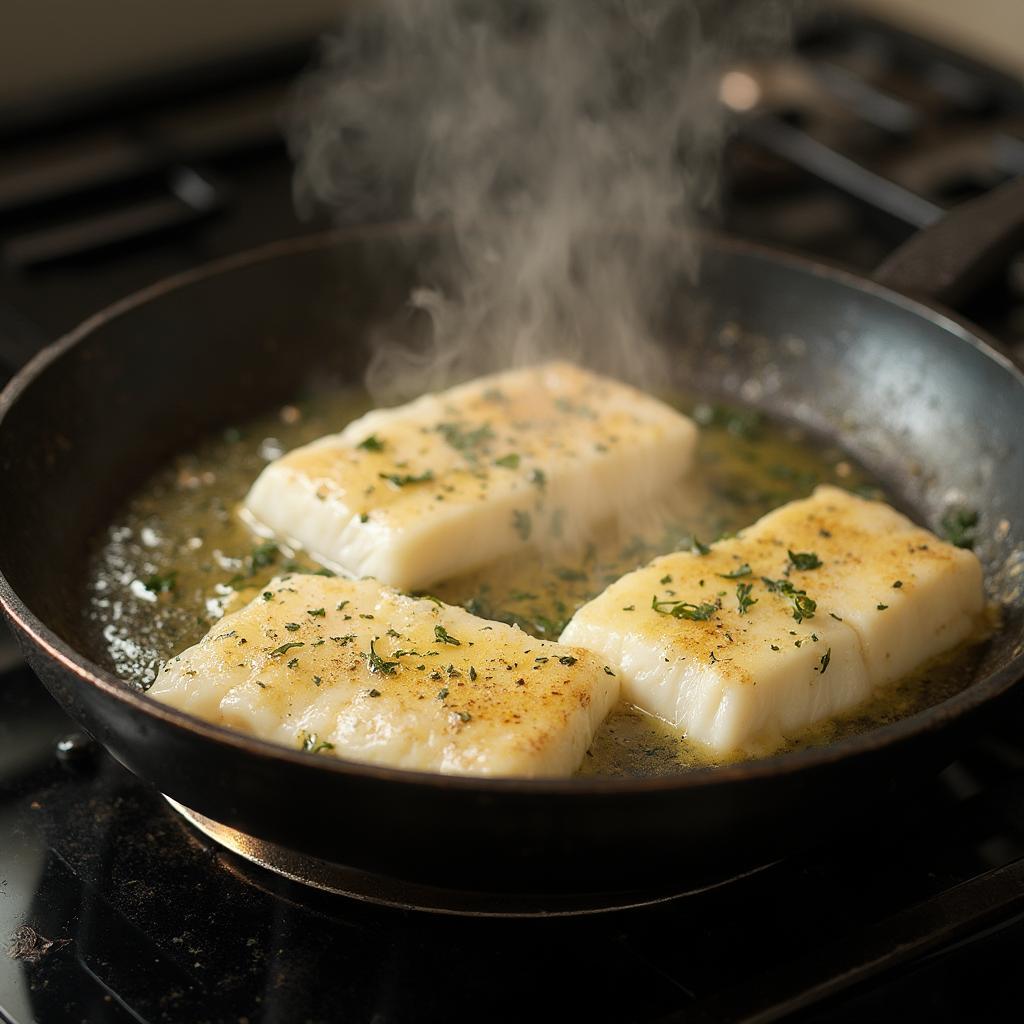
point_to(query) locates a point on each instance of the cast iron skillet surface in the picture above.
(911, 392)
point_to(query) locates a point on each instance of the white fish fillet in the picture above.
(440, 689)
(454, 480)
(887, 595)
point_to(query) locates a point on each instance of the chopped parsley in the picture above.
(743, 597)
(404, 479)
(291, 626)
(158, 584)
(268, 595)
(442, 693)
(567, 659)
(314, 746)
(378, 665)
(803, 606)
(743, 570)
(510, 461)
(292, 662)
(959, 525)
(464, 440)
(262, 555)
(804, 560)
(316, 613)
(472, 673)
(285, 648)
(445, 637)
(684, 609)
(371, 444)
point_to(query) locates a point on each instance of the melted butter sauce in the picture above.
(178, 555)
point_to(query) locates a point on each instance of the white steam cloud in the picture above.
(568, 145)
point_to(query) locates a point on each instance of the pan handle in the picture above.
(950, 259)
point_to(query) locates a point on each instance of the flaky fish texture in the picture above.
(794, 621)
(357, 670)
(454, 480)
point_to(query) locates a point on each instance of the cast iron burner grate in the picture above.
(396, 893)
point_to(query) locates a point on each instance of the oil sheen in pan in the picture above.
(177, 556)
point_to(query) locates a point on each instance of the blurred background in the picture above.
(140, 138)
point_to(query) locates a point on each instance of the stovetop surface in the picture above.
(119, 911)
(134, 916)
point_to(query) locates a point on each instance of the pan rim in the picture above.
(874, 740)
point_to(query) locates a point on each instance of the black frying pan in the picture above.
(913, 393)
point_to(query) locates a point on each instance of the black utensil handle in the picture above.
(948, 260)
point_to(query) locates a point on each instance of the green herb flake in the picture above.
(291, 626)
(377, 664)
(472, 673)
(743, 597)
(371, 444)
(292, 662)
(743, 570)
(696, 545)
(898, 585)
(268, 595)
(373, 693)
(405, 479)
(314, 746)
(667, 578)
(464, 715)
(465, 440)
(804, 560)
(316, 613)
(263, 555)
(608, 671)
(157, 584)
(684, 609)
(285, 648)
(881, 607)
(538, 478)
(442, 694)
(567, 659)
(959, 525)
(510, 461)
(445, 637)
(825, 659)
(317, 680)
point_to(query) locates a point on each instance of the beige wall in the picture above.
(991, 30)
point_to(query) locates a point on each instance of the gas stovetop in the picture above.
(115, 908)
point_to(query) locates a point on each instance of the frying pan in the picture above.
(918, 396)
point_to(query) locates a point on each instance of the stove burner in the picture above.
(402, 895)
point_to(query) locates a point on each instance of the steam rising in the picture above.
(536, 130)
